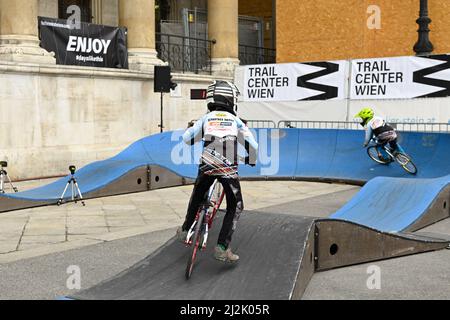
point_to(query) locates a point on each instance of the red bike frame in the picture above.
(200, 232)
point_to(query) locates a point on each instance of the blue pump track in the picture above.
(391, 200)
(376, 224)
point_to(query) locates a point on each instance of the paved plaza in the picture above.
(39, 231)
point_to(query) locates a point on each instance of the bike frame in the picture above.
(400, 157)
(204, 219)
(209, 215)
(384, 147)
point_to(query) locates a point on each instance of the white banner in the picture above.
(389, 85)
(294, 81)
(400, 78)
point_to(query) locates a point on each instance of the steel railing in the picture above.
(256, 55)
(301, 124)
(421, 127)
(184, 54)
(319, 124)
(261, 124)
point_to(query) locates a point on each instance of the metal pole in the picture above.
(162, 120)
(423, 46)
(349, 88)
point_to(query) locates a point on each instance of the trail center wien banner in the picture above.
(91, 45)
(400, 77)
(295, 81)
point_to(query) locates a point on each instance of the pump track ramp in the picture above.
(279, 252)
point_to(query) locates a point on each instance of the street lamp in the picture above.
(423, 46)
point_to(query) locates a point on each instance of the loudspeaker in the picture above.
(162, 79)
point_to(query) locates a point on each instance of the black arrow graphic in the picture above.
(419, 76)
(329, 92)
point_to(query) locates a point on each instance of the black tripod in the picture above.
(4, 175)
(73, 184)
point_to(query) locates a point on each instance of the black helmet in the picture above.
(222, 96)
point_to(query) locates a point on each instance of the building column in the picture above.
(224, 30)
(97, 11)
(19, 40)
(139, 17)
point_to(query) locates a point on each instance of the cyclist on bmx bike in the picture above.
(222, 131)
(376, 127)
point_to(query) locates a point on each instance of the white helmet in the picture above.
(222, 95)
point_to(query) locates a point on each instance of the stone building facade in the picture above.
(52, 116)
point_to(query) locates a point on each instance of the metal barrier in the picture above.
(261, 124)
(298, 124)
(400, 126)
(319, 124)
(422, 127)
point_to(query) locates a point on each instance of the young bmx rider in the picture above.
(376, 127)
(221, 131)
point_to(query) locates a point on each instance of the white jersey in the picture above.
(376, 122)
(218, 128)
(375, 127)
(220, 124)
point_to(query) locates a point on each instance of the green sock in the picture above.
(221, 246)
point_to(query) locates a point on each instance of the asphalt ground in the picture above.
(423, 276)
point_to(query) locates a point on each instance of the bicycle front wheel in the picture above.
(196, 244)
(406, 163)
(374, 155)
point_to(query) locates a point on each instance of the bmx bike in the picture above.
(404, 160)
(197, 236)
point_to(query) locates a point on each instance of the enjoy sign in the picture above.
(89, 45)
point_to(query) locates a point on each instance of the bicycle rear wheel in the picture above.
(217, 193)
(196, 244)
(373, 154)
(216, 201)
(406, 163)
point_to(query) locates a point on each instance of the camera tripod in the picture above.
(4, 175)
(75, 189)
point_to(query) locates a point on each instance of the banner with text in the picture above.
(295, 81)
(89, 45)
(400, 77)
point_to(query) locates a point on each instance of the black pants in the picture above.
(235, 205)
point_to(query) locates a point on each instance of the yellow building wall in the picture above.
(315, 30)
